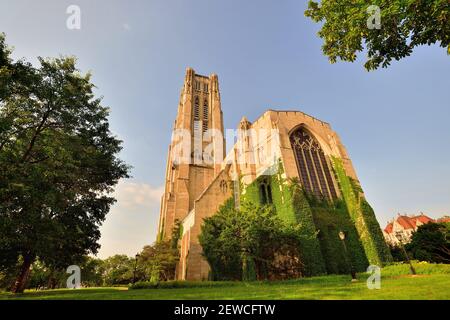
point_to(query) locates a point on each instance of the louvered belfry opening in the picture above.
(313, 167)
(205, 116)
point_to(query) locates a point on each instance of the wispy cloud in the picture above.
(132, 194)
(133, 220)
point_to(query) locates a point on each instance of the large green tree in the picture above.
(252, 242)
(431, 242)
(158, 261)
(404, 25)
(118, 270)
(58, 164)
(220, 239)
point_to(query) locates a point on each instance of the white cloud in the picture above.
(126, 26)
(132, 194)
(133, 220)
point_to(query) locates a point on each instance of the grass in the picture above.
(432, 282)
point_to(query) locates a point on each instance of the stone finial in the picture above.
(244, 123)
(189, 74)
(188, 79)
(215, 84)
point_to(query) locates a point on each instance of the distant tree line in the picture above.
(155, 262)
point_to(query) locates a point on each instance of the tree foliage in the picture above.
(431, 242)
(397, 253)
(58, 163)
(158, 261)
(405, 24)
(118, 270)
(237, 243)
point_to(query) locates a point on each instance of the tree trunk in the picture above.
(49, 280)
(244, 268)
(21, 280)
(258, 270)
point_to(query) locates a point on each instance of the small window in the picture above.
(265, 192)
(205, 87)
(223, 186)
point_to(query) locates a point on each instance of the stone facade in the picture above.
(186, 180)
(281, 145)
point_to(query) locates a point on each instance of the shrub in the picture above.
(431, 242)
(180, 284)
(251, 243)
(422, 267)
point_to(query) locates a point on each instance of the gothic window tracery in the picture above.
(314, 170)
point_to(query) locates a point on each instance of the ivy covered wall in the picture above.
(330, 219)
(292, 207)
(321, 221)
(363, 217)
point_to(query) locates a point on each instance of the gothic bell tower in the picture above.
(196, 151)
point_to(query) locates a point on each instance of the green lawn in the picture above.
(433, 282)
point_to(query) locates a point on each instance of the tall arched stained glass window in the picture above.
(313, 168)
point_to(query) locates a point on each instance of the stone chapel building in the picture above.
(279, 147)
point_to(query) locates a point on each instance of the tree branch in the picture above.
(36, 133)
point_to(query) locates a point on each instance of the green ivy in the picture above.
(160, 236)
(292, 207)
(363, 217)
(330, 220)
(314, 260)
(321, 221)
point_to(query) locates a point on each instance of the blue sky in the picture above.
(394, 122)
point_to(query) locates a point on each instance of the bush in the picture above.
(181, 284)
(158, 261)
(397, 253)
(251, 243)
(395, 269)
(431, 242)
(422, 267)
